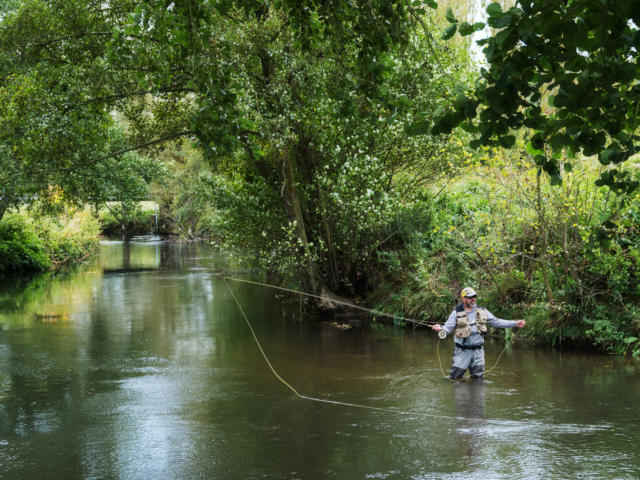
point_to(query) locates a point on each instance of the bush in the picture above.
(424, 266)
(21, 250)
(71, 237)
(31, 242)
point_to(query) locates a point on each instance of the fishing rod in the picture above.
(334, 300)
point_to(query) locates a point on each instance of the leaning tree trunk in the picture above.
(311, 278)
(331, 257)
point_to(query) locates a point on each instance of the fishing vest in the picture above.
(464, 327)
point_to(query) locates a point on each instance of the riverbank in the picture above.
(38, 242)
(564, 257)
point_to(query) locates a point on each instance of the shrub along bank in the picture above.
(34, 242)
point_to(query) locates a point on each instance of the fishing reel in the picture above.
(442, 334)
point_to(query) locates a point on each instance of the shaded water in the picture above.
(140, 366)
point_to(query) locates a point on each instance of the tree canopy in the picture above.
(301, 104)
(321, 115)
(567, 72)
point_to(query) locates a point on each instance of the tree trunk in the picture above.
(311, 278)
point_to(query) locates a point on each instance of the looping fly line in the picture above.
(306, 397)
(334, 402)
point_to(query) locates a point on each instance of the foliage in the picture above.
(248, 226)
(20, 248)
(532, 250)
(335, 164)
(139, 218)
(569, 248)
(56, 105)
(566, 71)
(121, 184)
(186, 195)
(33, 241)
(556, 241)
(425, 259)
(294, 97)
(69, 237)
(42, 115)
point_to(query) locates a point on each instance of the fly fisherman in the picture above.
(469, 322)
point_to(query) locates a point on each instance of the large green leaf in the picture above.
(450, 17)
(494, 9)
(449, 31)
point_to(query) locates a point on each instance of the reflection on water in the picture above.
(469, 398)
(141, 366)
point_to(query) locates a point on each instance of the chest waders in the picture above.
(470, 355)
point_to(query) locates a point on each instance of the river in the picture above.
(141, 366)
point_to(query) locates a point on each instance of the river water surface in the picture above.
(141, 366)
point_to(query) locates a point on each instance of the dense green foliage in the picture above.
(20, 248)
(56, 120)
(532, 250)
(127, 220)
(334, 163)
(567, 72)
(186, 196)
(36, 241)
(119, 185)
(289, 99)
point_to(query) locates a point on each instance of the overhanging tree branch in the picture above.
(115, 154)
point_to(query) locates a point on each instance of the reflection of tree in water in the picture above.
(172, 256)
(133, 257)
(44, 298)
(20, 290)
(469, 398)
(126, 255)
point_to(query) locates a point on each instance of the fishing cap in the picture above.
(468, 292)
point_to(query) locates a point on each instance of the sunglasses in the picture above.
(471, 297)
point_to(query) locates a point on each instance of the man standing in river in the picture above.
(469, 322)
